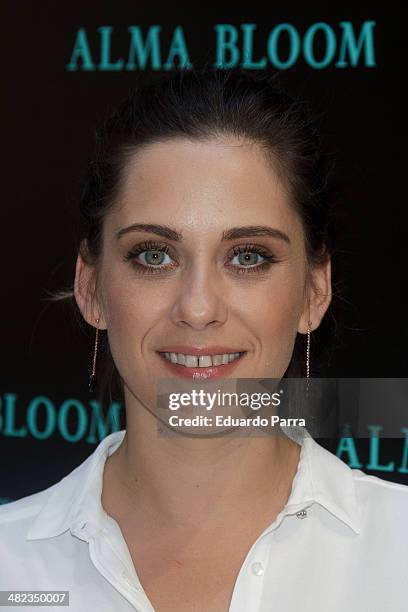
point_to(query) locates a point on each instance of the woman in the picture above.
(207, 257)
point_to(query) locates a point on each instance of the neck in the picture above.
(180, 481)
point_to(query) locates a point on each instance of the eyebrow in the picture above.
(246, 231)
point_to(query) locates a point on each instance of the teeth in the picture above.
(203, 361)
(217, 360)
(191, 361)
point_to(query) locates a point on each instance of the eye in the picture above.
(251, 259)
(150, 257)
(247, 258)
(154, 257)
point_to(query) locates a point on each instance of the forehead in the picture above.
(210, 183)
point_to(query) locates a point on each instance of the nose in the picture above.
(201, 300)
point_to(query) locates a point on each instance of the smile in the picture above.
(202, 361)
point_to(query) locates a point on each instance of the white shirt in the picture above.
(349, 553)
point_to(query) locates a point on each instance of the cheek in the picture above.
(275, 306)
(272, 311)
(131, 311)
(287, 307)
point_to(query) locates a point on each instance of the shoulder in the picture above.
(18, 556)
(22, 511)
(379, 486)
(382, 499)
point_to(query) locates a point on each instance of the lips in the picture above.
(197, 372)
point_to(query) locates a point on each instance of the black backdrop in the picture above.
(49, 114)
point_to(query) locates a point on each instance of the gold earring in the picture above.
(92, 379)
(308, 350)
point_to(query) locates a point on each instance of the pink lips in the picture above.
(197, 373)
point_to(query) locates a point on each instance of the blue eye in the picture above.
(248, 262)
(247, 258)
(155, 257)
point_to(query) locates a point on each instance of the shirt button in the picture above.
(257, 568)
(301, 514)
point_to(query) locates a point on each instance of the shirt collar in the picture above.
(77, 497)
(321, 477)
(324, 478)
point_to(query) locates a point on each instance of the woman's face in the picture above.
(230, 270)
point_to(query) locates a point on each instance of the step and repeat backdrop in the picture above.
(66, 65)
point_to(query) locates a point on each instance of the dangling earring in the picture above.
(92, 378)
(308, 350)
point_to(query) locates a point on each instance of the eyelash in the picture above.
(237, 250)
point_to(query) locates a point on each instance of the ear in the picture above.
(318, 297)
(85, 293)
